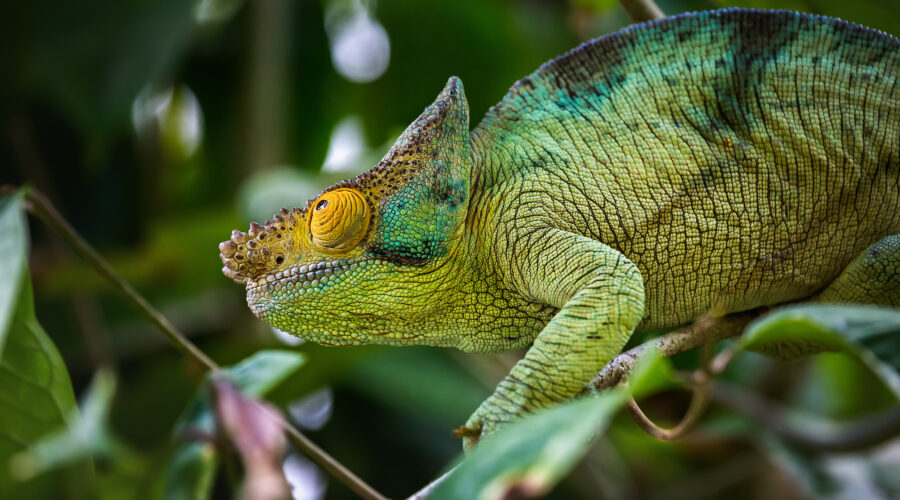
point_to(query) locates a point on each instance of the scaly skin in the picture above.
(706, 163)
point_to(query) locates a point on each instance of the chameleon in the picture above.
(699, 165)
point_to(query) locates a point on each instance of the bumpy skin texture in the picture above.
(706, 163)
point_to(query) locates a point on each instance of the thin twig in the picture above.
(696, 408)
(330, 464)
(814, 434)
(699, 396)
(38, 204)
(642, 10)
(41, 207)
(698, 404)
(721, 361)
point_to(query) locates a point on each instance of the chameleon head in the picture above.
(358, 262)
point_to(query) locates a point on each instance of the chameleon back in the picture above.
(740, 158)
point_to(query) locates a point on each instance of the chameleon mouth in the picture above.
(311, 275)
(298, 281)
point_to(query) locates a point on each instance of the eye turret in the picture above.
(339, 219)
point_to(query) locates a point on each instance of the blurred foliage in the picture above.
(85, 436)
(37, 397)
(529, 457)
(870, 334)
(157, 127)
(193, 468)
(14, 250)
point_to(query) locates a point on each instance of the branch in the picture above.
(704, 331)
(329, 463)
(41, 207)
(642, 10)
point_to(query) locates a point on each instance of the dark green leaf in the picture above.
(13, 249)
(37, 394)
(802, 469)
(530, 456)
(87, 436)
(864, 474)
(869, 333)
(191, 472)
(263, 371)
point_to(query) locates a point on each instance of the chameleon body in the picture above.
(707, 163)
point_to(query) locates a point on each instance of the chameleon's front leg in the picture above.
(600, 296)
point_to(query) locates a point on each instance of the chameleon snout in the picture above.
(262, 249)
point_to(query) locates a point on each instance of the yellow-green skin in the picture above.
(704, 164)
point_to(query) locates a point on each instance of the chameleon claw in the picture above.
(470, 436)
(464, 432)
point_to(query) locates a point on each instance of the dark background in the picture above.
(157, 127)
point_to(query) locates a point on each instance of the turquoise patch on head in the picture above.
(417, 221)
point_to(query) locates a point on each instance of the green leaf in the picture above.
(87, 435)
(257, 375)
(194, 463)
(13, 250)
(254, 376)
(191, 471)
(37, 394)
(869, 333)
(531, 455)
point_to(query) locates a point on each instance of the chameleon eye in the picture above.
(339, 220)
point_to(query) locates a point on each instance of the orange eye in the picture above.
(339, 219)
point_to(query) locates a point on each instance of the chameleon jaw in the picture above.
(313, 273)
(298, 281)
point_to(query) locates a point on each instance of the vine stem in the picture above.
(642, 10)
(698, 404)
(40, 206)
(699, 400)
